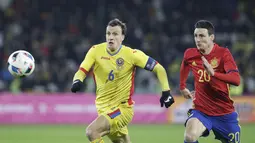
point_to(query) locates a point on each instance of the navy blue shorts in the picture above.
(224, 127)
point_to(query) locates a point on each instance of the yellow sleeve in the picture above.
(139, 58)
(85, 66)
(162, 77)
(143, 61)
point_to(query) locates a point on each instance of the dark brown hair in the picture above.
(117, 22)
(205, 24)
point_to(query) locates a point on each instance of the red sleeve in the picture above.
(184, 72)
(232, 74)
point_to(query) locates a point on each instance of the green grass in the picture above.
(76, 134)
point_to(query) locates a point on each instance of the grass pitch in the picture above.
(76, 134)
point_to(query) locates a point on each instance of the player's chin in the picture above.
(111, 47)
(201, 50)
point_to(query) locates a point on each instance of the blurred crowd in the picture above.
(58, 33)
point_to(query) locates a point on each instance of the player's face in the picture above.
(114, 37)
(202, 39)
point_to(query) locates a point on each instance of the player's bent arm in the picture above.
(184, 72)
(85, 66)
(232, 75)
(80, 75)
(162, 76)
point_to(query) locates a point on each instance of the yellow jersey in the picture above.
(114, 73)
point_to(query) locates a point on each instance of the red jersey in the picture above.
(212, 92)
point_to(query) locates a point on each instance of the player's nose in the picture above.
(110, 36)
(198, 41)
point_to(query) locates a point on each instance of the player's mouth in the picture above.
(110, 43)
(199, 45)
(201, 50)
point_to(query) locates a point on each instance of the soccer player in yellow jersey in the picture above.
(113, 66)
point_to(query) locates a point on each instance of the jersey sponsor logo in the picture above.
(189, 115)
(105, 58)
(75, 81)
(168, 99)
(214, 62)
(194, 63)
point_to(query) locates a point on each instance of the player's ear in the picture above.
(123, 37)
(212, 37)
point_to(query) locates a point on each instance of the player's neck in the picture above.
(113, 51)
(208, 51)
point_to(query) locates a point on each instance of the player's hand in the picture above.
(166, 99)
(187, 94)
(76, 86)
(207, 66)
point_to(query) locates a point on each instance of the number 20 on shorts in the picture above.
(234, 137)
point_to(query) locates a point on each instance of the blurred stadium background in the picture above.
(40, 108)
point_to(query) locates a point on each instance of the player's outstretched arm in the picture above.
(184, 72)
(166, 98)
(162, 77)
(85, 66)
(77, 80)
(142, 60)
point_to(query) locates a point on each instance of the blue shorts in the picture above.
(224, 127)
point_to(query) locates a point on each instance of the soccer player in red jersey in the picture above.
(214, 69)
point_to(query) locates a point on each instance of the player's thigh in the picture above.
(197, 124)
(122, 139)
(100, 125)
(228, 136)
(194, 128)
(119, 135)
(119, 117)
(226, 128)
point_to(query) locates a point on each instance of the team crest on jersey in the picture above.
(120, 63)
(214, 62)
